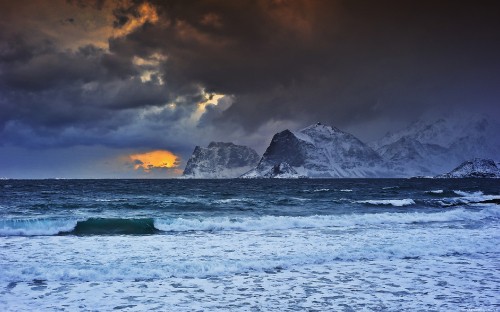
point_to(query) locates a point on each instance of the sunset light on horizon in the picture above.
(159, 159)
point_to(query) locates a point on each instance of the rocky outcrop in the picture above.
(220, 160)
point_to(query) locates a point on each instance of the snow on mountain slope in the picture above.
(279, 171)
(320, 151)
(409, 157)
(476, 168)
(220, 160)
(427, 148)
(443, 132)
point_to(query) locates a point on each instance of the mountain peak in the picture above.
(321, 128)
(318, 151)
(214, 144)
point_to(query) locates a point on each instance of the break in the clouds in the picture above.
(148, 75)
(154, 160)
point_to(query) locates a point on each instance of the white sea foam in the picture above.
(231, 200)
(185, 200)
(468, 198)
(318, 190)
(390, 187)
(436, 192)
(385, 261)
(33, 227)
(392, 202)
(111, 200)
(300, 198)
(321, 190)
(320, 221)
(220, 254)
(376, 285)
(36, 227)
(468, 194)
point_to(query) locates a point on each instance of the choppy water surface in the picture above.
(250, 245)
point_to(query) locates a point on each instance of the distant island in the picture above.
(475, 168)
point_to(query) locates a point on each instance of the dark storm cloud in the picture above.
(96, 4)
(230, 47)
(344, 61)
(60, 87)
(341, 62)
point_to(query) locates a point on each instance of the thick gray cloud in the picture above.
(343, 61)
(131, 74)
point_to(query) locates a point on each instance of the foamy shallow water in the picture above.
(302, 248)
(455, 284)
(381, 267)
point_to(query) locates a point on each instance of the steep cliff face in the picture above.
(320, 151)
(475, 168)
(220, 160)
(280, 170)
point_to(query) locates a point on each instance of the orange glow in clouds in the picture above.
(154, 159)
(146, 14)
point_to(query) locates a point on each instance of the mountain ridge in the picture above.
(321, 151)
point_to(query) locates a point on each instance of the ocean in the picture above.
(250, 245)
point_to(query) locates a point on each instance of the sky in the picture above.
(127, 89)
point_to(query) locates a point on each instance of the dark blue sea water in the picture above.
(250, 245)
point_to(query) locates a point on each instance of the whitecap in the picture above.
(470, 198)
(111, 200)
(392, 202)
(319, 221)
(435, 191)
(468, 194)
(34, 227)
(230, 200)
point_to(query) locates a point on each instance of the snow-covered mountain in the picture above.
(476, 168)
(220, 160)
(409, 157)
(319, 151)
(442, 131)
(427, 148)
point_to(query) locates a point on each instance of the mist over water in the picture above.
(361, 244)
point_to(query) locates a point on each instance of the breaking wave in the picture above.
(145, 226)
(392, 202)
(91, 226)
(470, 198)
(435, 192)
(34, 227)
(469, 194)
(390, 187)
(319, 221)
